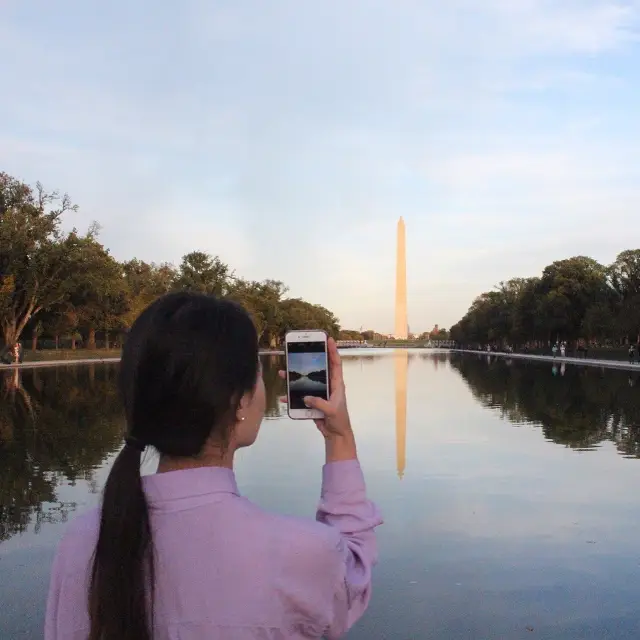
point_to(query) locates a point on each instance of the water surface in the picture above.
(509, 489)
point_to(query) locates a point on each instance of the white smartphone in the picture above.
(307, 371)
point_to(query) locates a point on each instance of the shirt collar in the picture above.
(189, 483)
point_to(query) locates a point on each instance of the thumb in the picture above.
(314, 402)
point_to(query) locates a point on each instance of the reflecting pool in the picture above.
(509, 489)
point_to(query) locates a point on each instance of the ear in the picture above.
(245, 401)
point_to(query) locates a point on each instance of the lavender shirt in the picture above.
(228, 570)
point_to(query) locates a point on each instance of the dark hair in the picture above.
(187, 361)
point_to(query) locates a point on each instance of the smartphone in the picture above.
(307, 371)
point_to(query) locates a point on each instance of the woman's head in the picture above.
(191, 384)
(190, 375)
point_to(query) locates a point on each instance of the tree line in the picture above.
(575, 300)
(68, 286)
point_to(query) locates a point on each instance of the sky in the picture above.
(305, 363)
(287, 137)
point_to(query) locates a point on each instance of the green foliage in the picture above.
(145, 282)
(35, 267)
(299, 314)
(203, 273)
(574, 299)
(263, 300)
(67, 286)
(349, 334)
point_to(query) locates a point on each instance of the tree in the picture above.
(145, 283)
(36, 332)
(624, 273)
(628, 320)
(568, 288)
(33, 253)
(63, 321)
(526, 325)
(263, 302)
(299, 314)
(67, 284)
(624, 277)
(573, 299)
(350, 334)
(99, 293)
(598, 322)
(203, 273)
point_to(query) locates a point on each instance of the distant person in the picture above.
(632, 354)
(179, 553)
(563, 349)
(554, 349)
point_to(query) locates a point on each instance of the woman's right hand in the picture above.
(336, 420)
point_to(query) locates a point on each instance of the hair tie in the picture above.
(131, 441)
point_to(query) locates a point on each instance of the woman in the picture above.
(180, 554)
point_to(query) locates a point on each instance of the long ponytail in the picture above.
(122, 577)
(187, 361)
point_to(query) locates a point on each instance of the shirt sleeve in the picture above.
(344, 507)
(66, 616)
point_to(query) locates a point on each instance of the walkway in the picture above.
(38, 364)
(587, 362)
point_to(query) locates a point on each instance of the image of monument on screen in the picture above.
(307, 377)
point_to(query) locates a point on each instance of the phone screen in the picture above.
(307, 370)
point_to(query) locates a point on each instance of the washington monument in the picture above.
(401, 285)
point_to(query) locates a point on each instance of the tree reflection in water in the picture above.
(57, 426)
(579, 407)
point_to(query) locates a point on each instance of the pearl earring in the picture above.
(241, 418)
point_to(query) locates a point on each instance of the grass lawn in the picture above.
(77, 354)
(69, 354)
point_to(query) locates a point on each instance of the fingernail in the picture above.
(306, 401)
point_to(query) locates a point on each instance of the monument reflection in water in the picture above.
(401, 366)
(499, 522)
